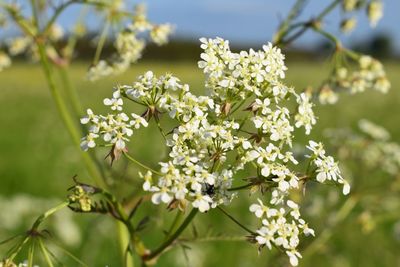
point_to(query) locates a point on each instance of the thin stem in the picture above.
(31, 253)
(305, 25)
(73, 38)
(328, 9)
(285, 27)
(35, 14)
(218, 239)
(45, 253)
(174, 236)
(177, 218)
(19, 247)
(141, 164)
(236, 221)
(19, 20)
(58, 12)
(101, 43)
(240, 187)
(328, 36)
(9, 239)
(157, 120)
(66, 116)
(71, 92)
(72, 256)
(47, 214)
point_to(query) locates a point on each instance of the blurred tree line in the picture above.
(380, 46)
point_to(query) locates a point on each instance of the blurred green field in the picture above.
(38, 158)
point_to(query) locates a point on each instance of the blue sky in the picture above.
(254, 21)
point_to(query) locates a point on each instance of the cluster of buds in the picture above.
(368, 75)
(81, 196)
(209, 146)
(129, 47)
(373, 9)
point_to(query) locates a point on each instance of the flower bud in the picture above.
(374, 12)
(348, 25)
(349, 5)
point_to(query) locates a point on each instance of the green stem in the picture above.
(285, 27)
(35, 14)
(177, 219)
(328, 9)
(45, 254)
(304, 25)
(236, 221)
(101, 43)
(30, 253)
(124, 243)
(328, 36)
(218, 239)
(174, 236)
(141, 164)
(58, 12)
(71, 92)
(66, 116)
(47, 214)
(240, 187)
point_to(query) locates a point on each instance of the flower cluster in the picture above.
(114, 128)
(375, 12)
(370, 75)
(281, 228)
(209, 146)
(326, 167)
(81, 197)
(373, 8)
(129, 47)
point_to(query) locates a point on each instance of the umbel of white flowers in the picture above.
(209, 145)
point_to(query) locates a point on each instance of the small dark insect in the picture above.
(209, 190)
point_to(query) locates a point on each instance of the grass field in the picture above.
(38, 158)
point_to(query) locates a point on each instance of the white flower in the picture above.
(375, 12)
(89, 141)
(317, 148)
(263, 105)
(327, 169)
(293, 256)
(138, 121)
(160, 33)
(305, 115)
(115, 103)
(202, 202)
(260, 209)
(161, 195)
